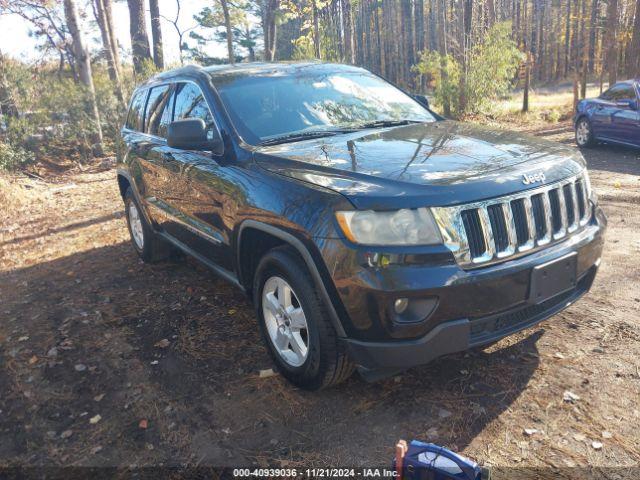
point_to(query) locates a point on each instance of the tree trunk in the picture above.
(138, 32)
(593, 33)
(466, 18)
(527, 83)
(269, 28)
(108, 21)
(587, 25)
(156, 34)
(567, 40)
(227, 25)
(347, 26)
(611, 44)
(444, 52)
(84, 70)
(633, 56)
(316, 29)
(114, 72)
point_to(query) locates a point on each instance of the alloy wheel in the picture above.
(582, 133)
(285, 321)
(135, 223)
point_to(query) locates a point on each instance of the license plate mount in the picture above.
(553, 278)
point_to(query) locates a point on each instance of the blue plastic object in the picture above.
(426, 461)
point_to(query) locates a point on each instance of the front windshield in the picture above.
(270, 105)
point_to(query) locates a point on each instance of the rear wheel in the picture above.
(584, 134)
(295, 324)
(149, 246)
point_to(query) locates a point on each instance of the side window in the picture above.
(134, 117)
(619, 92)
(190, 103)
(158, 113)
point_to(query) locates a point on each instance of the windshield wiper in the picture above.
(386, 123)
(298, 136)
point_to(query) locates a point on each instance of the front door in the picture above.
(204, 185)
(614, 119)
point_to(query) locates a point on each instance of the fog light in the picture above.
(400, 305)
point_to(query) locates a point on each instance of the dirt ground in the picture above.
(106, 361)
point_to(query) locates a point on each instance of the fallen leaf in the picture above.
(232, 311)
(442, 413)
(570, 396)
(164, 343)
(558, 355)
(98, 398)
(267, 373)
(95, 419)
(143, 424)
(33, 360)
(578, 437)
(66, 434)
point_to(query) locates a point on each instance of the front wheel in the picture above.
(295, 325)
(584, 134)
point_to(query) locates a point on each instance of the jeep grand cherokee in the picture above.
(370, 232)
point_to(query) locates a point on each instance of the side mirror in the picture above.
(630, 104)
(191, 134)
(422, 100)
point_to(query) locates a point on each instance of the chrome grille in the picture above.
(496, 229)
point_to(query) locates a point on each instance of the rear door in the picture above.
(158, 181)
(134, 138)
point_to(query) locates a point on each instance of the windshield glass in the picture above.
(268, 105)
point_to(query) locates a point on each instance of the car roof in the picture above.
(631, 81)
(248, 69)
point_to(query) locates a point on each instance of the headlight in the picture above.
(401, 227)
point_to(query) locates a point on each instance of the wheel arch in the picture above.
(123, 183)
(272, 236)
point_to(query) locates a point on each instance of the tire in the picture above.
(148, 245)
(584, 133)
(326, 362)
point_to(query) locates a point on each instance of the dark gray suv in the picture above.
(369, 232)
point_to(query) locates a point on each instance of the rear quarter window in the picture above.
(134, 117)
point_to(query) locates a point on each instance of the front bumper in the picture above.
(475, 307)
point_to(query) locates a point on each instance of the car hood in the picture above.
(435, 164)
